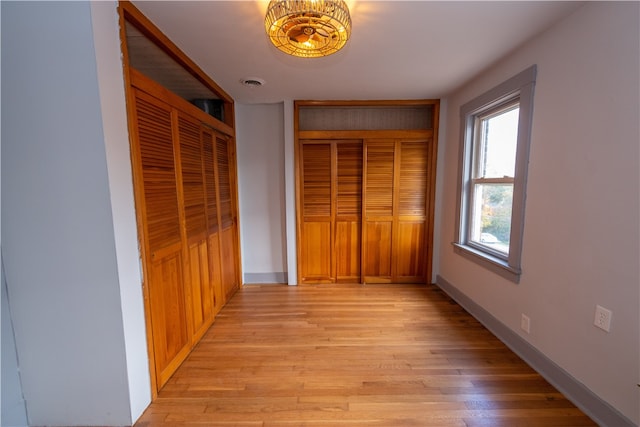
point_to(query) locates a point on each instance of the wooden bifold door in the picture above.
(364, 211)
(365, 205)
(331, 200)
(395, 217)
(185, 187)
(189, 226)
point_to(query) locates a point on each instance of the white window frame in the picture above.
(518, 89)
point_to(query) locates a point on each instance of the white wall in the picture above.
(290, 193)
(59, 245)
(105, 22)
(261, 188)
(582, 209)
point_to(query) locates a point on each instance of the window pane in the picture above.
(491, 216)
(498, 141)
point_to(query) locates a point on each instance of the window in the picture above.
(496, 128)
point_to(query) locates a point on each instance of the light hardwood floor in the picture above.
(354, 355)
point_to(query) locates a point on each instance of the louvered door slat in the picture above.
(316, 190)
(158, 174)
(224, 183)
(161, 222)
(413, 179)
(349, 185)
(210, 181)
(192, 178)
(379, 186)
(208, 160)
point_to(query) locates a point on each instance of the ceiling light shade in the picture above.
(308, 28)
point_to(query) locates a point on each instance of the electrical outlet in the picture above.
(603, 318)
(525, 323)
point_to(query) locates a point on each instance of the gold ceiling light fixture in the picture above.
(308, 28)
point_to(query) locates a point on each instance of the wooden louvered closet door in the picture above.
(410, 223)
(185, 188)
(348, 211)
(379, 170)
(162, 234)
(192, 183)
(330, 200)
(185, 173)
(316, 213)
(213, 228)
(395, 211)
(227, 219)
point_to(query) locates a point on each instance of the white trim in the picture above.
(519, 87)
(290, 194)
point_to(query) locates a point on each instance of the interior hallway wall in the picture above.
(65, 277)
(261, 188)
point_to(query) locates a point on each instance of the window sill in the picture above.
(490, 262)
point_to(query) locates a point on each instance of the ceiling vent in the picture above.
(252, 82)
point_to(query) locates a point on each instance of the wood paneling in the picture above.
(316, 250)
(228, 251)
(347, 251)
(201, 287)
(216, 272)
(377, 251)
(169, 317)
(409, 254)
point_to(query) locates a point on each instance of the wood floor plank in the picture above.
(354, 355)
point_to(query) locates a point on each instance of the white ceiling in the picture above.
(397, 50)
